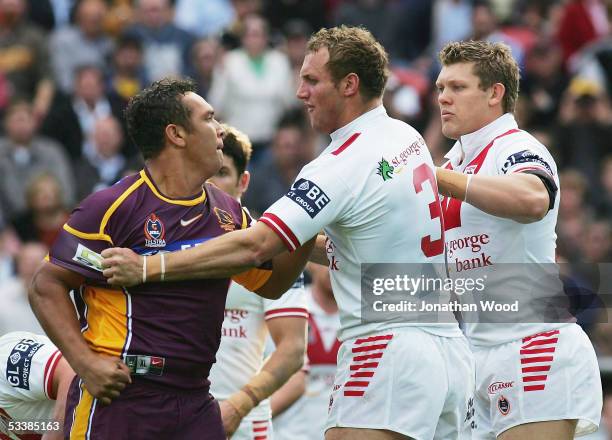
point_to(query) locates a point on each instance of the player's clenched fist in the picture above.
(105, 377)
(123, 267)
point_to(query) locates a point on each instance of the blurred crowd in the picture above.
(69, 67)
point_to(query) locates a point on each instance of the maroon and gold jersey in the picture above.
(167, 332)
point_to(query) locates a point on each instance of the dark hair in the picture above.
(354, 50)
(294, 118)
(149, 113)
(237, 146)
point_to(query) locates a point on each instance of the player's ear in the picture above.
(349, 85)
(498, 91)
(176, 135)
(243, 182)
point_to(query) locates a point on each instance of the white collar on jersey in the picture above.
(343, 132)
(472, 143)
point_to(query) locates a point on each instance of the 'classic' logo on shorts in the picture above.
(503, 405)
(498, 386)
(308, 196)
(19, 363)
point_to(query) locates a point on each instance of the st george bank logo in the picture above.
(498, 386)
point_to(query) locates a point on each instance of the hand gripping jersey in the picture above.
(373, 191)
(166, 332)
(305, 419)
(27, 365)
(506, 251)
(243, 339)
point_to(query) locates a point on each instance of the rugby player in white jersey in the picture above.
(395, 379)
(533, 380)
(305, 419)
(249, 318)
(34, 381)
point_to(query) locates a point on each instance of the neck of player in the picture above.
(175, 178)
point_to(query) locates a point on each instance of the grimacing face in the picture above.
(464, 106)
(319, 93)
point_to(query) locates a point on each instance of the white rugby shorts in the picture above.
(552, 375)
(254, 430)
(405, 380)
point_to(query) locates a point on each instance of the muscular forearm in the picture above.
(219, 258)
(287, 267)
(520, 197)
(281, 365)
(288, 393)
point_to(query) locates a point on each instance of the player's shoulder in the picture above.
(89, 214)
(519, 139)
(103, 199)
(219, 199)
(10, 340)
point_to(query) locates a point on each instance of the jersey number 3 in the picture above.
(422, 174)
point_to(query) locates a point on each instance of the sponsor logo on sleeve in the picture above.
(19, 363)
(154, 231)
(87, 257)
(311, 198)
(526, 157)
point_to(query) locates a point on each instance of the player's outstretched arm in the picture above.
(104, 376)
(224, 256)
(289, 335)
(521, 197)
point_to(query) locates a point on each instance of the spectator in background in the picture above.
(596, 245)
(24, 60)
(281, 12)
(72, 119)
(15, 313)
(485, 26)
(297, 32)
(582, 22)
(206, 55)
(126, 78)
(543, 83)
(24, 155)
(585, 129)
(166, 47)
(230, 38)
(451, 21)
(574, 214)
(254, 86)
(80, 44)
(107, 166)
(605, 207)
(203, 18)
(291, 149)
(46, 211)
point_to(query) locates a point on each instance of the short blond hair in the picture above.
(237, 145)
(493, 63)
(354, 50)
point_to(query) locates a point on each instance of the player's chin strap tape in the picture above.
(549, 184)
